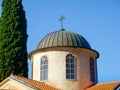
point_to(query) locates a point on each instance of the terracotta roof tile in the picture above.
(37, 84)
(104, 86)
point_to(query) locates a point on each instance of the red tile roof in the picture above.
(43, 86)
(104, 86)
(37, 84)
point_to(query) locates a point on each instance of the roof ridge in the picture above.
(108, 82)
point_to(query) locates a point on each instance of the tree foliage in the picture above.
(13, 39)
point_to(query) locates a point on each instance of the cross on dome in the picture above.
(61, 20)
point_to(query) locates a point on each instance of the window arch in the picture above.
(92, 70)
(70, 67)
(44, 68)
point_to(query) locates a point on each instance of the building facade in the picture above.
(63, 60)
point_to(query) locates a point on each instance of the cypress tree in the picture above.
(13, 39)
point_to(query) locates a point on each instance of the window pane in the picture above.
(68, 76)
(41, 78)
(46, 72)
(68, 71)
(91, 63)
(46, 67)
(91, 68)
(42, 73)
(45, 62)
(72, 60)
(72, 71)
(46, 77)
(67, 65)
(42, 67)
(68, 60)
(42, 62)
(72, 65)
(72, 77)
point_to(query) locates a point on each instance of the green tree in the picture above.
(13, 39)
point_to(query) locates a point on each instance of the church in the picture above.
(63, 60)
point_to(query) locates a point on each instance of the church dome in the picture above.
(63, 38)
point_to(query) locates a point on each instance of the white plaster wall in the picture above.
(57, 69)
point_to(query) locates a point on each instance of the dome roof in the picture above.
(63, 38)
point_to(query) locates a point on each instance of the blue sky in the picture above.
(96, 20)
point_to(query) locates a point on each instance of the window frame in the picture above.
(92, 70)
(44, 68)
(70, 67)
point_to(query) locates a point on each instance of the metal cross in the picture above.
(61, 20)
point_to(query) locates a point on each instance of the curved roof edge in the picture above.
(91, 51)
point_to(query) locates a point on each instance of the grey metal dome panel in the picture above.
(63, 38)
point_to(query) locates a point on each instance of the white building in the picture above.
(63, 60)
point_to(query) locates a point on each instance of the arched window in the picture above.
(70, 67)
(44, 68)
(92, 70)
